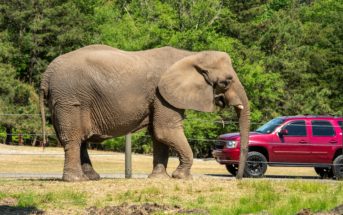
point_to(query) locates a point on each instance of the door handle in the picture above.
(333, 141)
(302, 141)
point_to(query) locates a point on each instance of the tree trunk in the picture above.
(34, 140)
(9, 139)
(20, 140)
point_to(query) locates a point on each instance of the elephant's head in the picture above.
(203, 80)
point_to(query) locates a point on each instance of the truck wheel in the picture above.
(232, 168)
(256, 165)
(324, 172)
(338, 167)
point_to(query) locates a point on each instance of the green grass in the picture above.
(288, 197)
(262, 196)
(249, 196)
(217, 196)
(63, 198)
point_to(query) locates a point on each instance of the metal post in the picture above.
(128, 156)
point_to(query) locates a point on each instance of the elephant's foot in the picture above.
(182, 173)
(90, 172)
(73, 176)
(159, 172)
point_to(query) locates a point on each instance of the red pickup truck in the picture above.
(310, 141)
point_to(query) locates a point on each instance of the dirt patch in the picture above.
(8, 201)
(8, 206)
(336, 211)
(10, 210)
(144, 209)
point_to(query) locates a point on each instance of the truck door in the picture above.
(293, 145)
(323, 140)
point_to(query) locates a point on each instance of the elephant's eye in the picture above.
(229, 78)
(224, 83)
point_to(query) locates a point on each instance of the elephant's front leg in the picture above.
(175, 138)
(86, 164)
(160, 159)
(168, 129)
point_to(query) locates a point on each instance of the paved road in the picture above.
(104, 175)
(57, 176)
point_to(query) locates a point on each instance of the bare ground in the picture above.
(143, 209)
(336, 211)
(35, 160)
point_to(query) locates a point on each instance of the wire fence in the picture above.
(53, 134)
(223, 122)
(218, 121)
(229, 161)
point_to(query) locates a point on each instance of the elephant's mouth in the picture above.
(221, 102)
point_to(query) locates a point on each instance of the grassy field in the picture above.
(202, 195)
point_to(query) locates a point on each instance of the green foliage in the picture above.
(141, 143)
(20, 98)
(41, 30)
(287, 53)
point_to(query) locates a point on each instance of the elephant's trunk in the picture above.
(244, 127)
(239, 100)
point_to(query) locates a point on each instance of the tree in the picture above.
(18, 105)
(302, 48)
(42, 30)
(288, 53)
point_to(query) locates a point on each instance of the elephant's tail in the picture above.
(42, 112)
(43, 94)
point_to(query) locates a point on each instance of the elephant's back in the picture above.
(98, 72)
(97, 59)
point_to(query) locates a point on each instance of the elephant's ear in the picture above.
(185, 85)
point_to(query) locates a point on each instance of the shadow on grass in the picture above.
(15, 210)
(270, 176)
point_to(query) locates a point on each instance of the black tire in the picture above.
(338, 167)
(324, 172)
(256, 165)
(232, 168)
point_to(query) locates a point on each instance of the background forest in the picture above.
(288, 54)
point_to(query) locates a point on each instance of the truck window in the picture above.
(270, 126)
(296, 128)
(322, 128)
(340, 123)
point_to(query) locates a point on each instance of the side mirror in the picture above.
(283, 132)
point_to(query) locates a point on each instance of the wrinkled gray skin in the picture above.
(98, 92)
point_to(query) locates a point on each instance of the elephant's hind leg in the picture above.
(86, 164)
(72, 164)
(67, 125)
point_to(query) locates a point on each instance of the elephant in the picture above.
(99, 92)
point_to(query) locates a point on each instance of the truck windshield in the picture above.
(270, 126)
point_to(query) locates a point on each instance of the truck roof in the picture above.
(325, 117)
